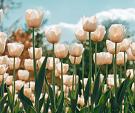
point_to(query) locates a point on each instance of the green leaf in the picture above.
(25, 101)
(5, 109)
(84, 110)
(40, 79)
(46, 106)
(60, 103)
(2, 102)
(41, 101)
(87, 91)
(102, 102)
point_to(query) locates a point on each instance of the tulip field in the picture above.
(69, 78)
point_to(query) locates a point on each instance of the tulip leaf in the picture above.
(40, 79)
(41, 101)
(2, 102)
(46, 105)
(5, 109)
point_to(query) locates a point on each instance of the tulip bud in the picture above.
(11, 63)
(61, 50)
(15, 49)
(89, 23)
(85, 81)
(34, 18)
(32, 97)
(81, 35)
(19, 84)
(64, 66)
(4, 59)
(40, 61)
(3, 69)
(111, 47)
(9, 80)
(125, 44)
(130, 72)
(23, 75)
(28, 64)
(133, 87)
(75, 60)
(98, 34)
(27, 92)
(3, 39)
(38, 52)
(120, 58)
(133, 48)
(32, 85)
(50, 62)
(53, 34)
(80, 101)
(76, 50)
(130, 55)
(116, 33)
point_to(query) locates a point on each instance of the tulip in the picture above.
(53, 34)
(116, 33)
(28, 64)
(76, 50)
(3, 69)
(133, 48)
(80, 34)
(27, 92)
(98, 34)
(11, 63)
(89, 23)
(19, 84)
(130, 73)
(61, 51)
(34, 18)
(130, 55)
(9, 80)
(3, 39)
(1, 79)
(110, 82)
(40, 61)
(120, 58)
(23, 75)
(38, 52)
(75, 60)
(31, 84)
(133, 87)
(65, 68)
(125, 44)
(4, 60)
(32, 97)
(80, 101)
(111, 47)
(50, 62)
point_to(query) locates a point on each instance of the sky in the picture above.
(69, 12)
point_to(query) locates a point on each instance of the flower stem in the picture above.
(115, 69)
(120, 75)
(2, 91)
(73, 81)
(95, 59)
(53, 76)
(61, 76)
(83, 71)
(125, 63)
(106, 72)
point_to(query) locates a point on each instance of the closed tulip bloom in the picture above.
(130, 72)
(64, 66)
(85, 81)
(32, 85)
(120, 58)
(15, 49)
(53, 34)
(130, 55)
(50, 62)
(19, 84)
(125, 44)
(34, 18)
(98, 34)
(108, 58)
(133, 87)
(76, 50)
(38, 52)
(27, 92)
(81, 35)
(111, 47)
(4, 59)
(11, 63)
(61, 50)
(23, 75)
(80, 100)
(1, 79)
(9, 80)
(89, 23)
(28, 64)
(32, 97)
(133, 48)
(3, 39)
(3, 69)
(116, 33)
(75, 60)
(40, 61)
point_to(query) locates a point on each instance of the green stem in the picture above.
(2, 91)
(106, 72)
(115, 69)
(125, 63)
(53, 76)
(14, 78)
(73, 80)
(95, 60)
(61, 76)
(120, 75)
(83, 72)
(29, 81)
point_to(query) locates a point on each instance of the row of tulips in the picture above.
(73, 93)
